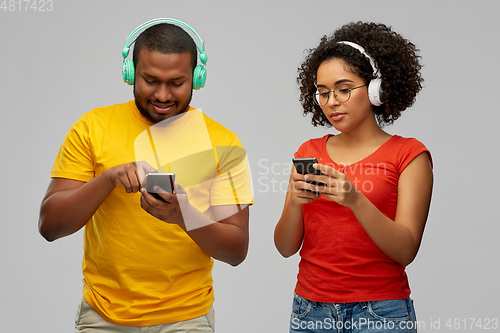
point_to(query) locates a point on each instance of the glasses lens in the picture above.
(342, 93)
(321, 97)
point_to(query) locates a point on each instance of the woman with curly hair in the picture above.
(360, 222)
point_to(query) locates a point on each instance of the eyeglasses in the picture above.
(341, 93)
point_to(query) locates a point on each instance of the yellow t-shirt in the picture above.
(138, 270)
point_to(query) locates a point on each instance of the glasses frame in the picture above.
(316, 94)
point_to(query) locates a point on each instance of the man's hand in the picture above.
(69, 204)
(170, 208)
(225, 239)
(130, 175)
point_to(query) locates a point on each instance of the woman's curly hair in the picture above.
(396, 59)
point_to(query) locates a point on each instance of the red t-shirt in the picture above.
(339, 262)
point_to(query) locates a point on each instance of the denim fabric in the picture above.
(397, 315)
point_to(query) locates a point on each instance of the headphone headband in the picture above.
(132, 37)
(128, 69)
(375, 85)
(376, 71)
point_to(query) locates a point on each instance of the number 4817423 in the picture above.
(27, 5)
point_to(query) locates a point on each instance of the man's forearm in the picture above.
(226, 240)
(66, 211)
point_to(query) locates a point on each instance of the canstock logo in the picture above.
(209, 175)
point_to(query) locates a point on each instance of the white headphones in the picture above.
(375, 85)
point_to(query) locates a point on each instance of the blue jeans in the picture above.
(396, 315)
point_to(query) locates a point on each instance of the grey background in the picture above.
(57, 65)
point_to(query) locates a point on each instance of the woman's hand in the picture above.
(300, 192)
(337, 187)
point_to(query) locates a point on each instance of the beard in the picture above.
(156, 118)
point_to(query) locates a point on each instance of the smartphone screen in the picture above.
(163, 180)
(304, 165)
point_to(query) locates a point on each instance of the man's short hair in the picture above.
(165, 38)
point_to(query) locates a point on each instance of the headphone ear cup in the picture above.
(128, 71)
(375, 92)
(199, 77)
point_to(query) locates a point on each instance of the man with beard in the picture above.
(148, 261)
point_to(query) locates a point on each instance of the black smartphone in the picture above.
(165, 181)
(304, 165)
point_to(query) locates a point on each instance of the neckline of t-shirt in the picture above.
(375, 152)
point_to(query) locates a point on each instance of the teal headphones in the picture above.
(128, 69)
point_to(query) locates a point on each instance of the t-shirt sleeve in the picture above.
(74, 159)
(309, 148)
(301, 152)
(313, 148)
(233, 182)
(410, 149)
